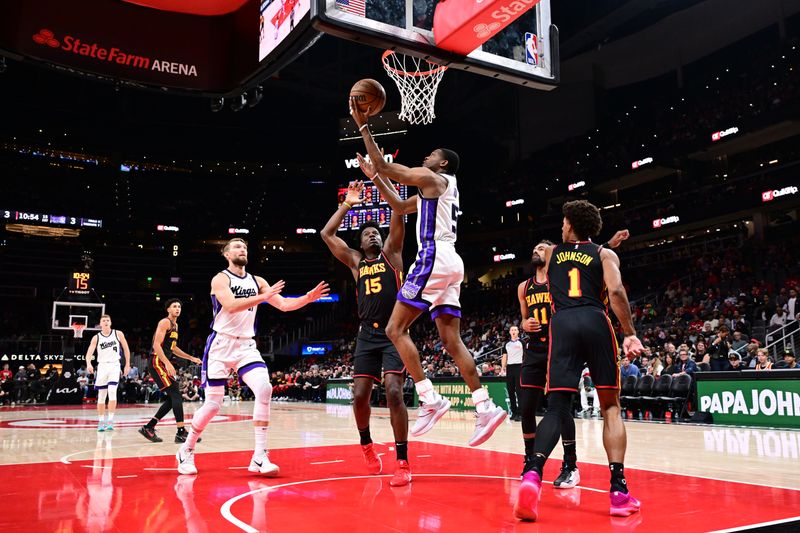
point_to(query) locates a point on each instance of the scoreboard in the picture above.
(375, 207)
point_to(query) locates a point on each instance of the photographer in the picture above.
(719, 350)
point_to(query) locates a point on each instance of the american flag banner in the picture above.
(356, 7)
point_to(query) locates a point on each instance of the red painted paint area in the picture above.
(455, 490)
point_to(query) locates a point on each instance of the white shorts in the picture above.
(434, 281)
(106, 374)
(224, 353)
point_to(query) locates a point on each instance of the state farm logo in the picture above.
(46, 37)
(484, 30)
(77, 46)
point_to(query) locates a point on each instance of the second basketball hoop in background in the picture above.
(369, 95)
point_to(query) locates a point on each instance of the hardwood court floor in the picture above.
(59, 474)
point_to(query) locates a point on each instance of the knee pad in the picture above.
(112, 392)
(258, 381)
(214, 397)
(101, 396)
(209, 409)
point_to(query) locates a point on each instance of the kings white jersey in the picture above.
(437, 217)
(108, 348)
(241, 323)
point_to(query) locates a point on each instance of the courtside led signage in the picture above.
(641, 162)
(768, 196)
(659, 222)
(717, 135)
(512, 203)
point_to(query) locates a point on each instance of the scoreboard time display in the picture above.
(80, 282)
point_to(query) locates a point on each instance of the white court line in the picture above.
(328, 462)
(171, 469)
(627, 467)
(92, 466)
(225, 509)
(760, 524)
(123, 477)
(238, 467)
(424, 456)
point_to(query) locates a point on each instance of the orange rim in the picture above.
(387, 66)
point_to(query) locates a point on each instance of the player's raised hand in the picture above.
(319, 291)
(632, 347)
(366, 166)
(273, 289)
(360, 117)
(618, 237)
(354, 192)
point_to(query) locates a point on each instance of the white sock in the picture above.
(101, 418)
(110, 417)
(425, 391)
(261, 439)
(480, 397)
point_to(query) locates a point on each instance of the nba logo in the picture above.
(531, 49)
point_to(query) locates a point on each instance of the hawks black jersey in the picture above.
(576, 276)
(377, 286)
(537, 297)
(170, 340)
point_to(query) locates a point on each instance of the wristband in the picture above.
(348, 205)
(607, 245)
(362, 127)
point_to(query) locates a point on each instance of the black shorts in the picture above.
(582, 335)
(374, 351)
(534, 369)
(159, 373)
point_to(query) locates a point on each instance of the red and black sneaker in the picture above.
(150, 434)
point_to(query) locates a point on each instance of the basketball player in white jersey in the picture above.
(108, 343)
(434, 281)
(235, 297)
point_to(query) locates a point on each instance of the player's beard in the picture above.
(537, 261)
(239, 261)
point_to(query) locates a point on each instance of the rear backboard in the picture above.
(525, 52)
(67, 313)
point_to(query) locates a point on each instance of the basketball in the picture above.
(369, 94)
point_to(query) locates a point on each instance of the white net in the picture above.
(417, 80)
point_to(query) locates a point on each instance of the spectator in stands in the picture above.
(735, 364)
(656, 368)
(669, 364)
(588, 390)
(739, 344)
(739, 323)
(684, 365)
(627, 369)
(700, 354)
(792, 307)
(751, 357)
(763, 360)
(720, 347)
(778, 320)
(788, 363)
(6, 374)
(35, 384)
(21, 385)
(83, 383)
(133, 373)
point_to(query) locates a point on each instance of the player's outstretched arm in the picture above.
(292, 304)
(183, 355)
(221, 288)
(393, 248)
(90, 354)
(125, 350)
(619, 302)
(420, 177)
(336, 244)
(387, 190)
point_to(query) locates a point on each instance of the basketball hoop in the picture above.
(417, 80)
(78, 329)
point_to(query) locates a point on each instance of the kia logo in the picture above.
(484, 30)
(46, 37)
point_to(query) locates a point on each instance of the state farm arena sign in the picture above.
(120, 40)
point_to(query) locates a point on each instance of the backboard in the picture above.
(67, 313)
(525, 52)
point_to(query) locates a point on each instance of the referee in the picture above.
(512, 365)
